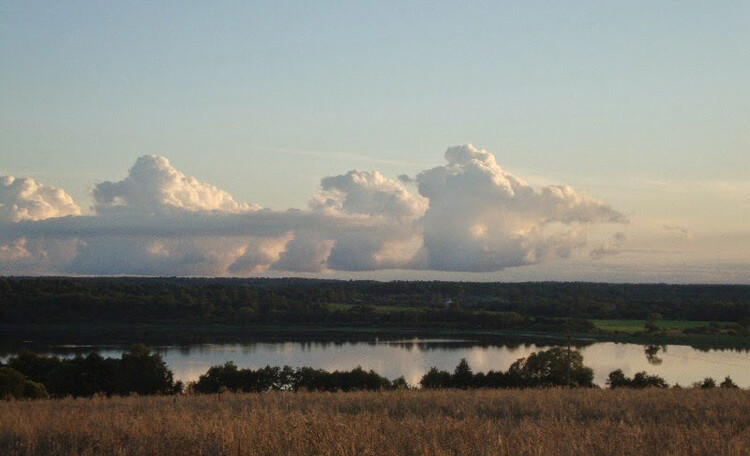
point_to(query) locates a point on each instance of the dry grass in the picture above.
(530, 422)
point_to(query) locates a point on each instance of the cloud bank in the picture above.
(466, 215)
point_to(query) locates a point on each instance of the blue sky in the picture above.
(644, 106)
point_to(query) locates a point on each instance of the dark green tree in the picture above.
(618, 379)
(652, 323)
(462, 376)
(706, 383)
(142, 372)
(435, 378)
(550, 368)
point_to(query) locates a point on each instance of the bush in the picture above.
(11, 383)
(14, 384)
(706, 383)
(617, 379)
(34, 390)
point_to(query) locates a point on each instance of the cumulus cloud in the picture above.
(483, 218)
(154, 185)
(369, 193)
(259, 254)
(466, 215)
(24, 199)
(305, 254)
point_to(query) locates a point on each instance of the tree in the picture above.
(617, 379)
(142, 372)
(462, 375)
(435, 379)
(550, 368)
(706, 383)
(643, 380)
(728, 383)
(652, 323)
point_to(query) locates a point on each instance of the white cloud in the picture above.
(23, 199)
(259, 255)
(482, 218)
(304, 254)
(153, 185)
(467, 215)
(369, 193)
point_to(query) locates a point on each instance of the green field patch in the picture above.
(378, 309)
(638, 325)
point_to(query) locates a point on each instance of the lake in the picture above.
(413, 357)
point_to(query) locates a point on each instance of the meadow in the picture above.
(403, 422)
(634, 326)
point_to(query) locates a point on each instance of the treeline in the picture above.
(307, 301)
(142, 372)
(554, 367)
(138, 371)
(542, 369)
(229, 377)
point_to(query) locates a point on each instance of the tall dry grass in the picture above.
(481, 422)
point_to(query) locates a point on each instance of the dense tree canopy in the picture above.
(304, 301)
(541, 369)
(137, 371)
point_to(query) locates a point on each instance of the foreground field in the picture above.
(482, 422)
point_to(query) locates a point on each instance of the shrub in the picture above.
(14, 384)
(34, 390)
(617, 379)
(11, 383)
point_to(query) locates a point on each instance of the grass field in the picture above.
(376, 309)
(638, 325)
(553, 422)
(626, 326)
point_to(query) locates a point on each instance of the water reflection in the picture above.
(652, 352)
(412, 357)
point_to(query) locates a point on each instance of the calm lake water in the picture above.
(413, 357)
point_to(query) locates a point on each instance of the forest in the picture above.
(304, 301)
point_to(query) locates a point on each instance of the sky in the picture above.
(597, 141)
